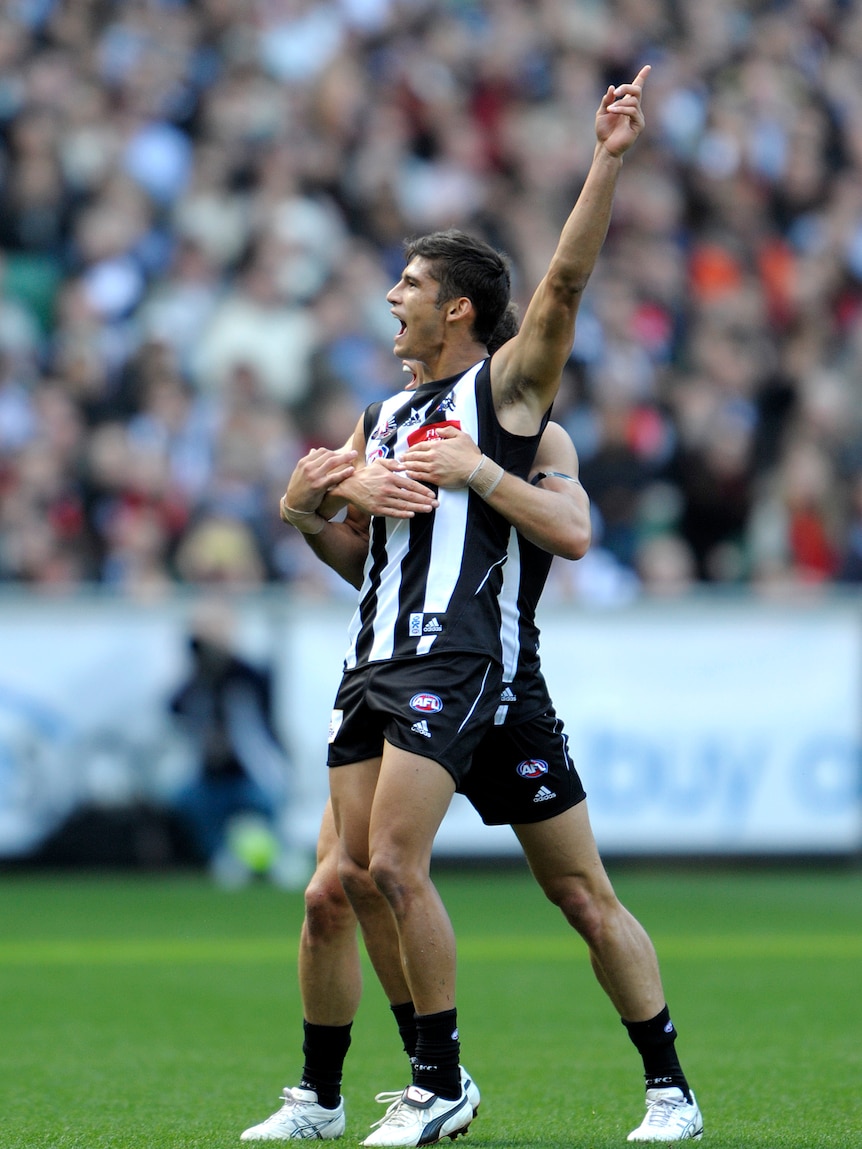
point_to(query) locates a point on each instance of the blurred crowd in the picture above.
(202, 207)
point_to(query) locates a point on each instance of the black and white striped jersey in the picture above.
(432, 582)
(524, 692)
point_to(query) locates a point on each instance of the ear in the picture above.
(460, 309)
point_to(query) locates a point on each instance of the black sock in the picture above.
(324, 1048)
(654, 1040)
(405, 1017)
(436, 1065)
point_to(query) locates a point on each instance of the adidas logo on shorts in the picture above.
(421, 728)
(543, 794)
(508, 695)
(432, 626)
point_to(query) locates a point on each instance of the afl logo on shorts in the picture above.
(426, 703)
(532, 768)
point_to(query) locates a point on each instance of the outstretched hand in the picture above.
(620, 118)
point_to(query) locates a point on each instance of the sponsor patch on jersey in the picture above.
(532, 768)
(427, 703)
(419, 624)
(430, 431)
(335, 720)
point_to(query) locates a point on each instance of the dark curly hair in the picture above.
(464, 265)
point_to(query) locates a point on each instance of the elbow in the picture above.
(575, 543)
(566, 285)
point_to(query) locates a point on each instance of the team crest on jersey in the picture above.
(447, 404)
(532, 768)
(426, 703)
(384, 430)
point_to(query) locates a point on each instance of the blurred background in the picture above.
(202, 206)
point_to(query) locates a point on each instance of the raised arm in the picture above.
(525, 372)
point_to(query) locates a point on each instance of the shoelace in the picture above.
(288, 1098)
(398, 1113)
(662, 1111)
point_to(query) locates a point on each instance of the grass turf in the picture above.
(159, 1012)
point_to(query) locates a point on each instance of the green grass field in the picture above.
(156, 1012)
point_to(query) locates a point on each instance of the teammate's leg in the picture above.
(565, 861)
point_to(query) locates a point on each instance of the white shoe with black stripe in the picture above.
(419, 1117)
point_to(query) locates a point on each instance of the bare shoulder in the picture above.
(556, 452)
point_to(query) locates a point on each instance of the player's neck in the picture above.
(451, 361)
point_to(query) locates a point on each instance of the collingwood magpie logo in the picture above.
(384, 430)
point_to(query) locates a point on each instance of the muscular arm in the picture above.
(343, 546)
(525, 372)
(554, 515)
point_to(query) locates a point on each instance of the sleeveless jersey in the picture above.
(524, 692)
(431, 583)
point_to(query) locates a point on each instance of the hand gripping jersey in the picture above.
(432, 582)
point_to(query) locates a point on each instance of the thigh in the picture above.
(351, 790)
(564, 848)
(412, 797)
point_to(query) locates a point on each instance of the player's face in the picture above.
(413, 302)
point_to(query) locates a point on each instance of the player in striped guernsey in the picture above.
(424, 666)
(521, 775)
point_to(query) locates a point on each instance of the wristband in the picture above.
(307, 522)
(485, 477)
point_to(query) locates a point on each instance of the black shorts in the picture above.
(523, 773)
(438, 706)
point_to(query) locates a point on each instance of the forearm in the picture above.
(342, 548)
(585, 230)
(548, 519)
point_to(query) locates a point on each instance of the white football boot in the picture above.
(669, 1117)
(300, 1118)
(419, 1117)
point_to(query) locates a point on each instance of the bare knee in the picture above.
(327, 909)
(359, 886)
(394, 878)
(587, 910)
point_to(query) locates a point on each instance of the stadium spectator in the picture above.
(225, 179)
(239, 784)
